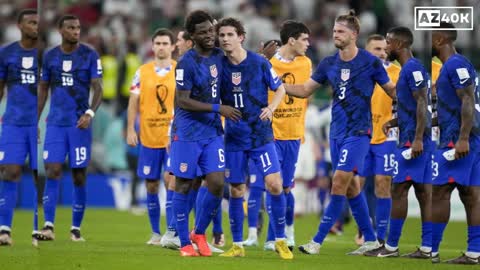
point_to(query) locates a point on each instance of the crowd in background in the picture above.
(120, 31)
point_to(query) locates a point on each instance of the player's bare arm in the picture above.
(421, 115)
(466, 95)
(267, 112)
(390, 89)
(389, 124)
(85, 119)
(185, 102)
(132, 111)
(42, 97)
(302, 90)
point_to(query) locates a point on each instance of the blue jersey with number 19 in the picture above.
(69, 76)
(245, 87)
(353, 83)
(18, 68)
(200, 75)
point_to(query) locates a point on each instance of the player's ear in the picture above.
(291, 40)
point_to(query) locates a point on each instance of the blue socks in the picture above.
(198, 203)
(289, 214)
(78, 205)
(209, 207)
(426, 234)
(192, 198)
(217, 220)
(236, 218)
(8, 200)
(171, 225)
(437, 234)
(359, 208)
(332, 213)
(473, 239)
(153, 206)
(180, 211)
(50, 197)
(384, 206)
(268, 206)
(278, 214)
(396, 225)
(254, 204)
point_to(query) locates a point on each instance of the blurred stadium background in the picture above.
(120, 31)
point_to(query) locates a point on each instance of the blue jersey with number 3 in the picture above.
(352, 83)
(18, 69)
(69, 76)
(200, 75)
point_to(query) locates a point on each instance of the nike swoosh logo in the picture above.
(464, 80)
(341, 164)
(266, 169)
(221, 166)
(418, 83)
(387, 170)
(180, 83)
(383, 255)
(79, 162)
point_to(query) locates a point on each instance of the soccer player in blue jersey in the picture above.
(18, 71)
(352, 73)
(459, 122)
(69, 71)
(413, 121)
(246, 78)
(197, 131)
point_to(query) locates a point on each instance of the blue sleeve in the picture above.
(380, 75)
(45, 72)
(270, 76)
(184, 76)
(320, 73)
(3, 67)
(95, 65)
(416, 78)
(459, 74)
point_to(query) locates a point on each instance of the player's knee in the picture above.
(273, 183)
(237, 190)
(182, 186)
(54, 172)
(287, 190)
(383, 187)
(79, 176)
(12, 173)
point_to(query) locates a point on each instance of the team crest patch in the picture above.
(227, 173)
(27, 62)
(2, 155)
(146, 170)
(45, 154)
(345, 74)
(253, 178)
(99, 67)
(236, 78)
(183, 167)
(213, 71)
(67, 65)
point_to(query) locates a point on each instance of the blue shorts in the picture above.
(60, 141)
(418, 170)
(287, 152)
(380, 160)
(18, 142)
(348, 154)
(150, 162)
(265, 159)
(256, 178)
(465, 171)
(189, 158)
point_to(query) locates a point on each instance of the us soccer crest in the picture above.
(213, 71)
(2, 155)
(236, 78)
(45, 154)
(345, 74)
(67, 65)
(27, 62)
(146, 170)
(183, 167)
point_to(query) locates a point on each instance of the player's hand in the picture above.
(417, 148)
(462, 148)
(386, 127)
(269, 50)
(266, 114)
(132, 138)
(230, 113)
(84, 121)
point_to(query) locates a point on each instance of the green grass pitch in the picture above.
(116, 240)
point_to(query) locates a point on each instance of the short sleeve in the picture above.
(271, 77)
(183, 76)
(459, 75)
(416, 79)
(45, 71)
(320, 73)
(380, 75)
(95, 66)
